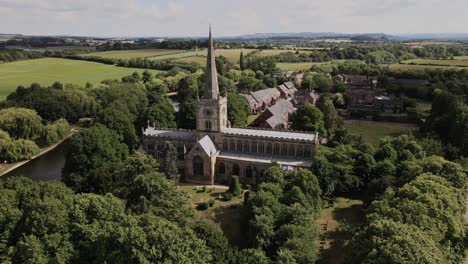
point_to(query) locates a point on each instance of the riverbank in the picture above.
(6, 168)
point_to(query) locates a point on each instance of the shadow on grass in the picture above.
(348, 218)
(230, 219)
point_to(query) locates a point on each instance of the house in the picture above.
(259, 100)
(371, 101)
(276, 116)
(302, 97)
(357, 81)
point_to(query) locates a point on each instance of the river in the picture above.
(47, 167)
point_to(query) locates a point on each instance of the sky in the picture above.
(172, 18)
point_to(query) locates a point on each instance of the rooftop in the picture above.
(264, 159)
(273, 134)
(170, 133)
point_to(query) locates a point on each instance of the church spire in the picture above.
(211, 81)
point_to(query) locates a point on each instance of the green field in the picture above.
(130, 54)
(455, 62)
(421, 67)
(373, 132)
(295, 66)
(49, 70)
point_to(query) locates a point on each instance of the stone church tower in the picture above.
(212, 107)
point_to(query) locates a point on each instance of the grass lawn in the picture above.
(332, 238)
(297, 66)
(423, 107)
(374, 131)
(251, 118)
(130, 54)
(228, 214)
(47, 71)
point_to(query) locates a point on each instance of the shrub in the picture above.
(203, 206)
(235, 187)
(228, 196)
(211, 203)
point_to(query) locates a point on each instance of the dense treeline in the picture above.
(280, 217)
(449, 122)
(16, 55)
(421, 222)
(384, 54)
(22, 131)
(149, 44)
(55, 102)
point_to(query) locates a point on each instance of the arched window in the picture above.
(284, 150)
(208, 113)
(307, 151)
(261, 148)
(276, 149)
(292, 150)
(198, 168)
(253, 147)
(221, 168)
(239, 145)
(232, 145)
(300, 151)
(268, 148)
(249, 171)
(246, 147)
(235, 170)
(207, 125)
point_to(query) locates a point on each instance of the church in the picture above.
(215, 151)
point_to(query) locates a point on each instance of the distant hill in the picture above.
(355, 36)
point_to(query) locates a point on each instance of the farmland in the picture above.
(130, 54)
(47, 71)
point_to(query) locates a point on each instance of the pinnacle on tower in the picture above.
(211, 81)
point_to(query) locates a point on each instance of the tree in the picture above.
(147, 76)
(308, 118)
(241, 61)
(248, 84)
(332, 120)
(385, 241)
(120, 122)
(169, 162)
(234, 186)
(89, 159)
(256, 63)
(238, 110)
(323, 83)
(21, 123)
(253, 256)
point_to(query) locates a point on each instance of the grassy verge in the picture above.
(333, 224)
(372, 132)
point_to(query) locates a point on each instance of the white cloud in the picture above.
(191, 17)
